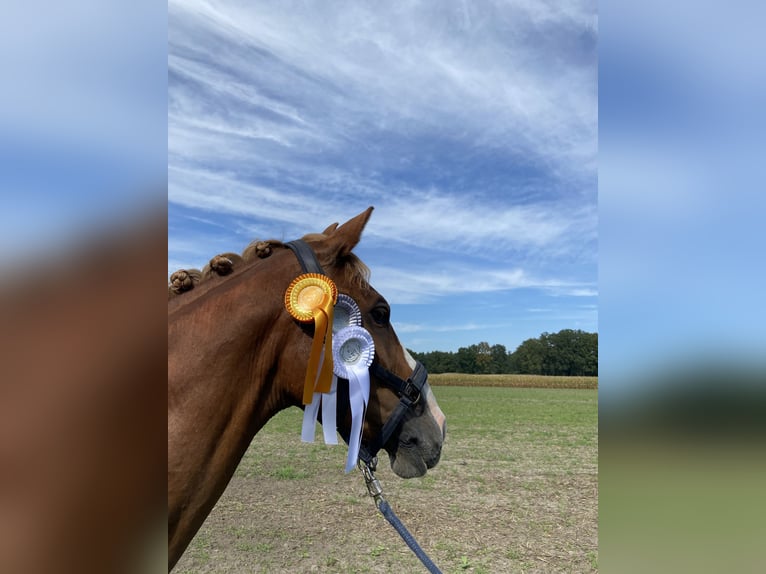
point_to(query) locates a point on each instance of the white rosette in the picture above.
(346, 313)
(353, 351)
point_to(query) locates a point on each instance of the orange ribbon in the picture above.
(311, 297)
(322, 335)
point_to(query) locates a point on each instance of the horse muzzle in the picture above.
(418, 445)
(415, 454)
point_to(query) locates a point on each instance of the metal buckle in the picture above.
(374, 489)
(411, 392)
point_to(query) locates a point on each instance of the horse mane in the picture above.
(224, 264)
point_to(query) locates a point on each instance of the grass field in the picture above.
(516, 491)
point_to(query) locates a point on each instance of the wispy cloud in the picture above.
(412, 285)
(430, 218)
(471, 127)
(516, 79)
(424, 327)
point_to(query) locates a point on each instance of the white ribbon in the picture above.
(353, 351)
(346, 313)
(359, 396)
(328, 403)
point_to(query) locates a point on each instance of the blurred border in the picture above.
(682, 405)
(83, 268)
(83, 181)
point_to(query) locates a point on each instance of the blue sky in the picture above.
(470, 126)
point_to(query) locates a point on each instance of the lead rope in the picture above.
(376, 492)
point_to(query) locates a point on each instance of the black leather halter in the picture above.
(410, 392)
(306, 257)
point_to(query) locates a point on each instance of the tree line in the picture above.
(569, 352)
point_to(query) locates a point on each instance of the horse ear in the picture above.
(344, 238)
(330, 229)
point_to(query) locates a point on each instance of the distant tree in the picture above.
(482, 357)
(568, 352)
(442, 362)
(437, 361)
(466, 360)
(528, 357)
(447, 362)
(590, 367)
(500, 362)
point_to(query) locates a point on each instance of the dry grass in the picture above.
(518, 381)
(516, 491)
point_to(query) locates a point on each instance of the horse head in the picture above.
(402, 415)
(236, 357)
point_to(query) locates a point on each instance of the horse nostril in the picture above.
(411, 441)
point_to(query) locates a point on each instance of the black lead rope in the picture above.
(376, 492)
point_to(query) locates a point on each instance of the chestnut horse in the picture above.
(236, 358)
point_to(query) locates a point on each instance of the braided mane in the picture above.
(225, 264)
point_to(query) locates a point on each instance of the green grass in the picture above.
(491, 416)
(482, 412)
(545, 432)
(289, 473)
(492, 423)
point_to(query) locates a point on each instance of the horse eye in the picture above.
(381, 314)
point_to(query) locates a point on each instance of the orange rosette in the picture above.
(311, 297)
(306, 294)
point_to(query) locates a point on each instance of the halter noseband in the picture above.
(410, 392)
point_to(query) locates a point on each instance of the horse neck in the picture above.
(224, 349)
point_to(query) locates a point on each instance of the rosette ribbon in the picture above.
(345, 313)
(353, 351)
(310, 298)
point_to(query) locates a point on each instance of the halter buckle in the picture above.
(411, 392)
